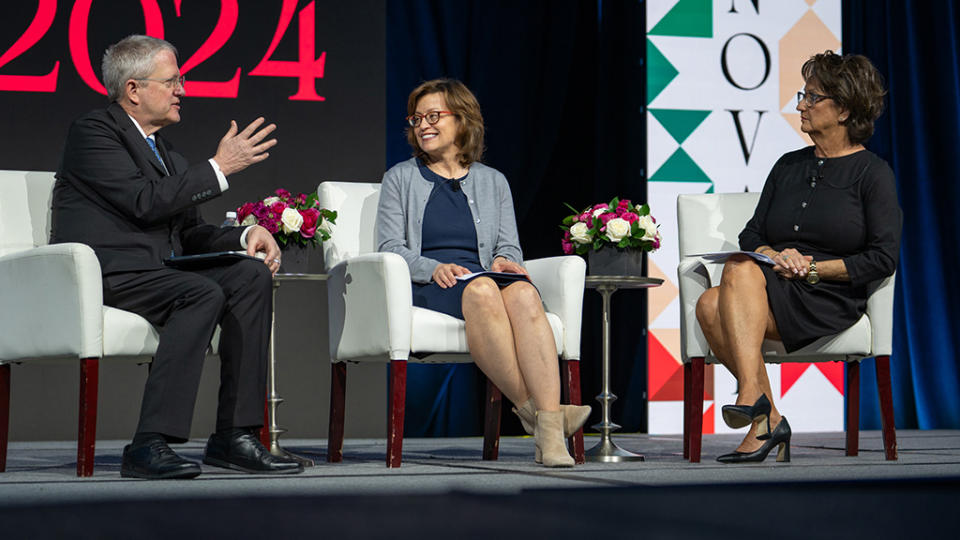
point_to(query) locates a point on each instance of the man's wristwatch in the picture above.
(812, 276)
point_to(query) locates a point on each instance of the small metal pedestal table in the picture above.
(274, 399)
(606, 450)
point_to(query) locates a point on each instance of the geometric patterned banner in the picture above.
(722, 80)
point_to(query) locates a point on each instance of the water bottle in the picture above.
(231, 220)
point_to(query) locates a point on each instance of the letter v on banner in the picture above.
(747, 151)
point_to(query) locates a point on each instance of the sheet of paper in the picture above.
(722, 256)
(486, 273)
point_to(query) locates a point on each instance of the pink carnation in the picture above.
(604, 218)
(244, 211)
(283, 194)
(587, 218)
(624, 203)
(567, 247)
(629, 217)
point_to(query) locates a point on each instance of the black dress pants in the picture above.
(186, 307)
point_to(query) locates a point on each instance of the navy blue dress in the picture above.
(448, 235)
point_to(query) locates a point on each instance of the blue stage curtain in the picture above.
(916, 46)
(560, 84)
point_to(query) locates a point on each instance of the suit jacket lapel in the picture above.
(162, 148)
(134, 139)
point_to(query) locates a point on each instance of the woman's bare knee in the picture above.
(482, 293)
(707, 307)
(741, 270)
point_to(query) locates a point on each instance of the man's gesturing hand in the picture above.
(237, 151)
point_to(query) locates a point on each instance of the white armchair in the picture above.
(52, 307)
(711, 223)
(372, 318)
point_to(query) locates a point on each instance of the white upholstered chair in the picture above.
(51, 306)
(372, 318)
(711, 223)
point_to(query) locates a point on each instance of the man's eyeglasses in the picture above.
(811, 98)
(432, 117)
(172, 82)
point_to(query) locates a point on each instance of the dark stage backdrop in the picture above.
(561, 86)
(316, 69)
(916, 46)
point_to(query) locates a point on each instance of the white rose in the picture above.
(270, 200)
(249, 220)
(580, 233)
(325, 226)
(617, 229)
(601, 210)
(291, 220)
(649, 227)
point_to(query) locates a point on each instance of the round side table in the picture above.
(273, 398)
(606, 450)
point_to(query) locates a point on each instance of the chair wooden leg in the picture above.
(696, 408)
(395, 414)
(87, 432)
(570, 374)
(853, 408)
(687, 393)
(338, 392)
(886, 407)
(4, 414)
(491, 422)
(265, 430)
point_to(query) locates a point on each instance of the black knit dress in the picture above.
(829, 208)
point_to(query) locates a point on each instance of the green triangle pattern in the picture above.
(679, 123)
(659, 71)
(688, 18)
(680, 167)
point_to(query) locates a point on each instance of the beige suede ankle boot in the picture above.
(574, 416)
(550, 442)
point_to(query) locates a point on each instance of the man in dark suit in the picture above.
(122, 190)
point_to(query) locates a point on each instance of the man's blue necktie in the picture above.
(153, 146)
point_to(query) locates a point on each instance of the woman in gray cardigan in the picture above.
(450, 216)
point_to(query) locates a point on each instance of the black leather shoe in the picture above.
(154, 460)
(780, 436)
(738, 416)
(240, 450)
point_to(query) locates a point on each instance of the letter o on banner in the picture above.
(724, 63)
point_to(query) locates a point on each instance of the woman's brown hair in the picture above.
(855, 84)
(463, 104)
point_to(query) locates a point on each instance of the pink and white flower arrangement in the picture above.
(293, 220)
(620, 224)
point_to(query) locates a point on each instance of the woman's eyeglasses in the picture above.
(811, 98)
(432, 117)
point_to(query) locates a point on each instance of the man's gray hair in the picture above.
(130, 58)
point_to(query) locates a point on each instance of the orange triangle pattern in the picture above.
(663, 370)
(708, 428)
(672, 389)
(833, 371)
(789, 373)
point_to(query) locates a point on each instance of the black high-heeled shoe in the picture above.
(738, 416)
(779, 436)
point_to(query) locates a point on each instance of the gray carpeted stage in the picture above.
(444, 488)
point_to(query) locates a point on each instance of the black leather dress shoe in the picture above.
(240, 450)
(779, 437)
(738, 416)
(154, 460)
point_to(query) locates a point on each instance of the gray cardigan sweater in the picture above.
(404, 194)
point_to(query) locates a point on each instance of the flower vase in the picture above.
(295, 260)
(610, 261)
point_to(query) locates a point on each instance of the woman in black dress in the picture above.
(828, 217)
(449, 216)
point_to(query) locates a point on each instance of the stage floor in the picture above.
(445, 489)
(41, 472)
